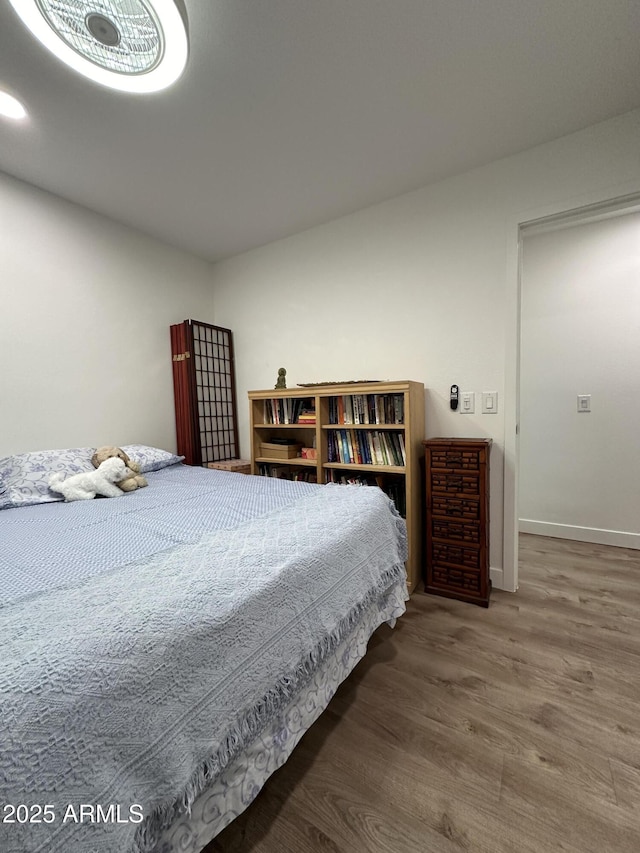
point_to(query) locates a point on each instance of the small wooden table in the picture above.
(239, 466)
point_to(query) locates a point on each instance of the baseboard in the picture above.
(619, 538)
(497, 578)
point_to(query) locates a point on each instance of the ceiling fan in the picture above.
(130, 45)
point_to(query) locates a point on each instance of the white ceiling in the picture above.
(294, 112)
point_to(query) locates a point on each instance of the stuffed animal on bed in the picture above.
(88, 484)
(133, 479)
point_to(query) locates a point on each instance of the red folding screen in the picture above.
(204, 392)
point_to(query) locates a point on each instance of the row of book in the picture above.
(367, 409)
(394, 489)
(287, 472)
(366, 447)
(289, 410)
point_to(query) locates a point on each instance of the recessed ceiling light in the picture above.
(130, 45)
(11, 107)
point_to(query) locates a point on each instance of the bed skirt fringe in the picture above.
(253, 721)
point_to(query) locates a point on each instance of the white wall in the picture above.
(420, 287)
(579, 472)
(85, 311)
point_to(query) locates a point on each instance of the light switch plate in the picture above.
(467, 402)
(489, 402)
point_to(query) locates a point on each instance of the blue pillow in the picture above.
(148, 458)
(24, 478)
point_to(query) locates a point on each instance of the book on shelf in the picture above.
(287, 472)
(384, 446)
(307, 416)
(403, 452)
(366, 447)
(365, 409)
(377, 450)
(289, 410)
(346, 456)
(392, 449)
(363, 445)
(388, 448)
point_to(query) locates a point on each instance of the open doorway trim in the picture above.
(608, 202)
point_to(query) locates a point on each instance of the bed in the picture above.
(163, 652)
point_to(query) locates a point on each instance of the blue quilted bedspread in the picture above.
(163, 631)
(58, 543)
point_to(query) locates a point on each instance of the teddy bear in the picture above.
(133, 478)
(88, 484)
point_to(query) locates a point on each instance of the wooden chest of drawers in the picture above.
(457, 489)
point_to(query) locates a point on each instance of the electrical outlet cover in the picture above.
(584, 402)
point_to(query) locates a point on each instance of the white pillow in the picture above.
(150, 458)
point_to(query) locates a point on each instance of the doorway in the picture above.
(579, 322)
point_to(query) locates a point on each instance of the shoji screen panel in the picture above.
(185, 420)
(204, 385)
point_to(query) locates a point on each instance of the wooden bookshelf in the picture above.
(367, 450)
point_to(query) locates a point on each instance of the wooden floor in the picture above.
(515, 728)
